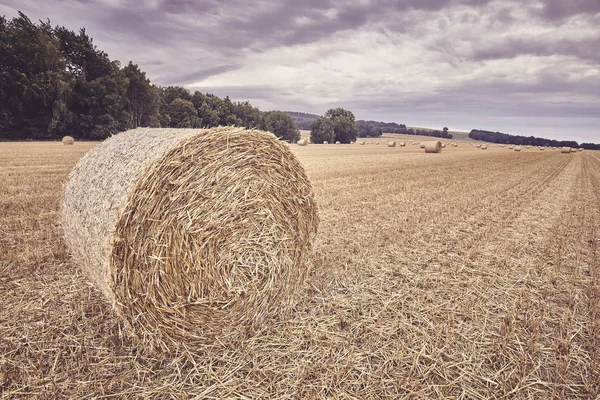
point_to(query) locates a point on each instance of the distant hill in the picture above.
(302, 120)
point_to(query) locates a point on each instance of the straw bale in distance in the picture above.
(402, 144)
(338, 142)
(443, 145)
(511, 147)
(302, 142)
(434, 146)
(479, 145)
(517, 148)
(391, 144)
(565, 149)
(580, 149)
(191, 234)
(362, 143)
(68, 140)
(325, 142)
(455, 144)
(484, 147)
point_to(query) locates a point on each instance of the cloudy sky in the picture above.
(523, 67)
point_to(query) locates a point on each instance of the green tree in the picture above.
(344, 124)
(336, 124)
(143, 99)
(321, 130)
(98, 105)
(282, 125)
(183, 114)
(32, 80)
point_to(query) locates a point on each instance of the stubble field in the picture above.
(466, 274)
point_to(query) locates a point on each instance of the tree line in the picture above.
(505, 138)
(56, 82)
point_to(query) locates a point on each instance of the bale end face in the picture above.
(68, 140)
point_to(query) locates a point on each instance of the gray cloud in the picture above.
(467, 61)
(561, 9)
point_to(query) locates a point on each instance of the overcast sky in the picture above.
(522, 67)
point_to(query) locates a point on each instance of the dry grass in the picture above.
(498, 296)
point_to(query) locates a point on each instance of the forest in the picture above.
(56, 82)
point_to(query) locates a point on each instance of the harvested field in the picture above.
(470, 274)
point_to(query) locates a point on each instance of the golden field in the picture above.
(468, 274)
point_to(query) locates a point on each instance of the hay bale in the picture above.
(189, 233)
(303, 142)
(422, 146)
(565, 149)
(455, 144)
(542, 149)
(325, 142)
(517, 148)
(501, 145)
(443, 145)
(338, 142)
(377, 143)
(362, 143)
(580, 149)
(434, 146)
(511, 147)
(402, 144)
(391, 144)
(68, 140)
(484, 147)
(478, 146)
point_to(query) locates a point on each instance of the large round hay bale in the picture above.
(478, 146)
(434, 146)
(580, 149)
(362, 143)
(455, 144)
(68, 140)
(391, 144)
(565, 149)
(484, 147)
(517, 148)
(325, 142)
(402, 144)
(338, 142)
(191, 234)
(511, 147)
(303, 142)
(443, 145)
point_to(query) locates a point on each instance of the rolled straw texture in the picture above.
(68, 140)
(565, 149)
(433, 146)
(191, 234)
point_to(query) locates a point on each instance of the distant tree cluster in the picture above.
(371, 128)
(55, 82)
(336, 125)
(504, 138)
